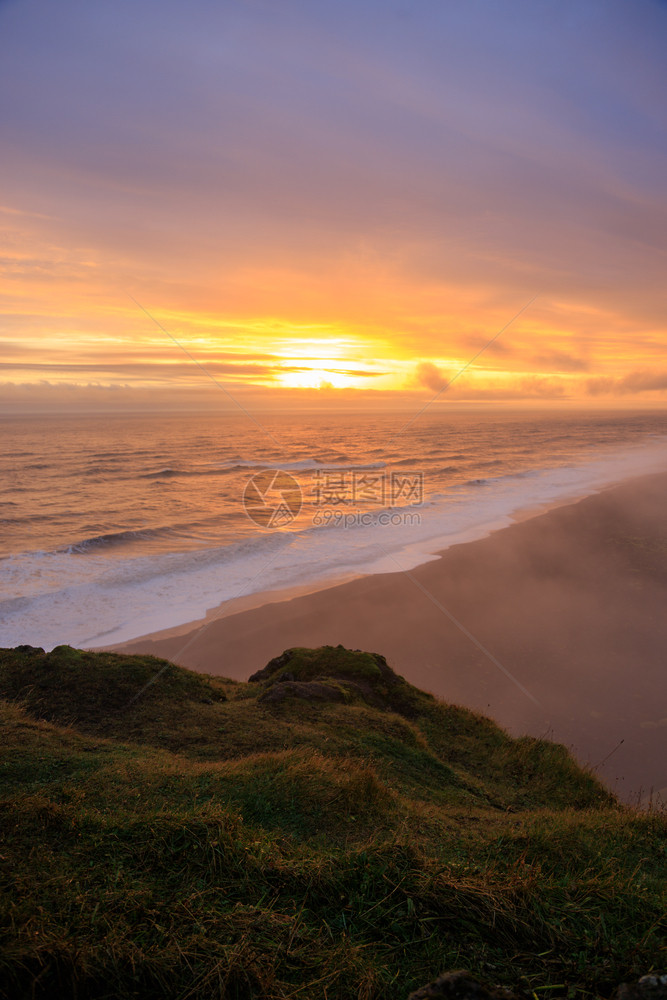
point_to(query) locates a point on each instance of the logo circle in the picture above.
(272, 498)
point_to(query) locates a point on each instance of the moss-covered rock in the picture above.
(363, 677)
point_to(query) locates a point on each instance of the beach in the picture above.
(554, 626)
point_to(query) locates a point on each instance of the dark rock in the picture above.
(33, 650)
(272, 667)
(462, 986)
(387, 673)
(653, 987)
(459, 985)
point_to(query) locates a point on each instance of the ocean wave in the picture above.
(163, 474)
(414, 463)
(30, 518)
(112, 468)
(306, 465)
(303, 465)
(112, 538)
(169, 473)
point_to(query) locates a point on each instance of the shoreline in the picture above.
(261, 598)
(570, 603)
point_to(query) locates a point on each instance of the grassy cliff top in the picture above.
(325, 829)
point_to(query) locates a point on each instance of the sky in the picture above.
(337, 204)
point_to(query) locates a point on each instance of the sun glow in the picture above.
(316, 378)
(325, 362)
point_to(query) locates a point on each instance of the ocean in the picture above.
(115, 526)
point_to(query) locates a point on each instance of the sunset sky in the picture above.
(338, 202)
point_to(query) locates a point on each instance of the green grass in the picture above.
(199, 838)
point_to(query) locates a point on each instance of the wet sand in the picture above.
(555, 626)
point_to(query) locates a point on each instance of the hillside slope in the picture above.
(325, 829)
